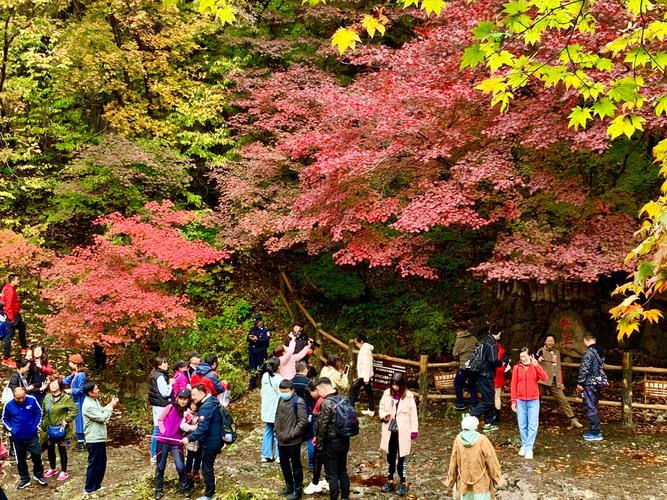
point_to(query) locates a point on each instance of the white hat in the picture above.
(469, 423)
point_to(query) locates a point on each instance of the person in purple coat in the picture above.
(169, 443)
(76, 381)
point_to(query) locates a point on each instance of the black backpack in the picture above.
(475, 362)
(228, 427)
(347, 422)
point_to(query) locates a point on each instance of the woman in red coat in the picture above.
(499, 380)
(525, 394)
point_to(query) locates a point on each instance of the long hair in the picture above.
(333, 360)
(272, 366)
(43, 358)
(399, 380)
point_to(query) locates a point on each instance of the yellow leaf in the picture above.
(345, 38)
(652, 315)
(433, 6)
(372, 24)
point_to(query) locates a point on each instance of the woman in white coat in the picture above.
(400, 426)
(364, 374)
(270, 396)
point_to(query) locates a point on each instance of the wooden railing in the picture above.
(321, 336)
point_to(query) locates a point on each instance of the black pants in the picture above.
(334, 458)
(368, 388)
(97, 466)
(392, 453)
(21, 450)
(193, 461)
(290, 464)
(317, 466)
(15, 326)
(207, 461)
(591, 398)
(51, 453)
(487, 405)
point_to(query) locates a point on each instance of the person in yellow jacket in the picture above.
(474, 470)
(333, 372)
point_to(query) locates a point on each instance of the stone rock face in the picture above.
(568, 329)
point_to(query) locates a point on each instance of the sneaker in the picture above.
(402, 489)
(286, 491)
(324, 484)
(387, 487)
(459, 407)
(490, 428)
(63, 476)
(153, 460)
(158, 496)
(368, 413)
(277, 460)
(50, 472)
(529, 455)
(23, 484)
(41, 481)
(312, 488)
(9, 362)
(204, 497)
(575, 423)
(522, 452)
(265, 460)
(589, 436)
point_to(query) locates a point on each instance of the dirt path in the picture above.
(623, 466)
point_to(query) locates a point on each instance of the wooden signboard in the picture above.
(655, 388)
(444, 380)
(383, 371)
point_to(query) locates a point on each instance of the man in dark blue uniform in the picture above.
(258, 344)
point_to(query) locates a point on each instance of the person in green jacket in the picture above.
(58, 410)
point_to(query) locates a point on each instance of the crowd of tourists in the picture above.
(44, 411)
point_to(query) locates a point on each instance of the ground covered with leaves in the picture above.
(626, 465)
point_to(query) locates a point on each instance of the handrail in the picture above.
(626, 404)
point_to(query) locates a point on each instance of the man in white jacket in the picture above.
(364, 374)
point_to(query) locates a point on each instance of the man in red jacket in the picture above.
(10, 301)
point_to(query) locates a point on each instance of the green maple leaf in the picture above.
(604, 107)
(483, 30)
(661, 106)
(472, 56)
(579, 116)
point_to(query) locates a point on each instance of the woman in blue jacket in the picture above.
(76, 380)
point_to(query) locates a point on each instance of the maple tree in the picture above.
(412, 146)
(125, 285)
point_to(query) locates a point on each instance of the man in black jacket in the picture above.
(209, 435)
(290, 425)
(331, 446)
(592, 379)
(485, 378)
(258, 339)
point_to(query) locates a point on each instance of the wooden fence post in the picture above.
(423, 385)
(350, 358)
(626, 408)
(322, 352)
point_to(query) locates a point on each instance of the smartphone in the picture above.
(347, 370)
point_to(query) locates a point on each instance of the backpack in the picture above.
(4, 327)
(205, 381)
(308, 432)
(228, 427)
(347, 423)
(475, 362)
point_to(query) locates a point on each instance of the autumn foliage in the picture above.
(412, 146)
(125, 285)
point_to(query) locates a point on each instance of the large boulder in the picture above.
(568, 329)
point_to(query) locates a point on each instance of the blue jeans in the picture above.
(528, 416)
(156, 429)
(269, 442)
(176, 451)
(310, 451)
